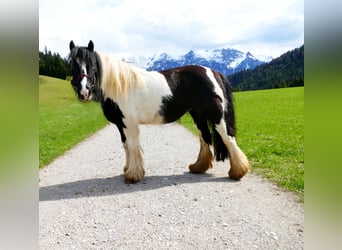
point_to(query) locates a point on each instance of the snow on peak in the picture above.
(237, 61)
(225, 60)
(249, 55)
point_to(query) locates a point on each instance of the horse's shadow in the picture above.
(115, 185)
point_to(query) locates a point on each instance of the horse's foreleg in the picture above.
(134, 168)
(127, 156)
(239, 164)
(204, 160)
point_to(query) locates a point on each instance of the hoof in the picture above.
(131, 181)
(237, 175)
(133, 177)
(196, 168)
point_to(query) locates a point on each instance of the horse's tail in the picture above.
(220, 149)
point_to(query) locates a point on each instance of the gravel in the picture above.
(85, 204)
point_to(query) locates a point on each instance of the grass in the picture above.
(270, 130)
(63, 120)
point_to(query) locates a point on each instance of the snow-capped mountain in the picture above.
(227, 61)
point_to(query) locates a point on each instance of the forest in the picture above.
(284, 71)
(52, 65)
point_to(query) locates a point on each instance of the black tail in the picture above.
(220, 149)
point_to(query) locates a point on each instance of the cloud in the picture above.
(134, 27)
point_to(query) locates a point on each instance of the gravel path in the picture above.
(85, 204)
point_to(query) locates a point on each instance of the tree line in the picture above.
(52, 64)
(284, 71)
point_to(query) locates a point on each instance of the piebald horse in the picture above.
(130, 96)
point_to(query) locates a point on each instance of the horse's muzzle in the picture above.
(84, 95)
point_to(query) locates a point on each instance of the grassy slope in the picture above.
(270, 127)
(63, 120)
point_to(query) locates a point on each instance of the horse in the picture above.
(130, 96)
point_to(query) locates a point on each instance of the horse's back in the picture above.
(194, 88)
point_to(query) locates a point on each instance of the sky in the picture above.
(125, 28)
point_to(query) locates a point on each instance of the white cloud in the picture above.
(134, 27)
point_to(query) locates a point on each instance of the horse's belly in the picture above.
(144, 107)
(149, 113)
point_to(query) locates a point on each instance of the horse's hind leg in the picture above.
(239, 164)
(204, 160)
(134, 168)
(205, 157)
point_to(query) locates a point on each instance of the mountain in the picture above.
(284, 71)
(227, 61)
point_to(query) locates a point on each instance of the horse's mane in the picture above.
(119, 77)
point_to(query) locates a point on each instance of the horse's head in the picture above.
(85, 71)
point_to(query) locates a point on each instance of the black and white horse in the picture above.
(130, 96)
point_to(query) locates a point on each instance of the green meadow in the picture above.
(270, 130)
(63, 120)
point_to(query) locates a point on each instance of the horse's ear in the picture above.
(91, 46)
(71, 45)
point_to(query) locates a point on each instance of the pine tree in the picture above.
(52, 64)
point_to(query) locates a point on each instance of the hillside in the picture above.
(284, 71)
(63, 120)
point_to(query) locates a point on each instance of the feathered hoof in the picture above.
(237, 174)
(133, 176)
(199, 167)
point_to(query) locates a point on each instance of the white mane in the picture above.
(119, 77)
